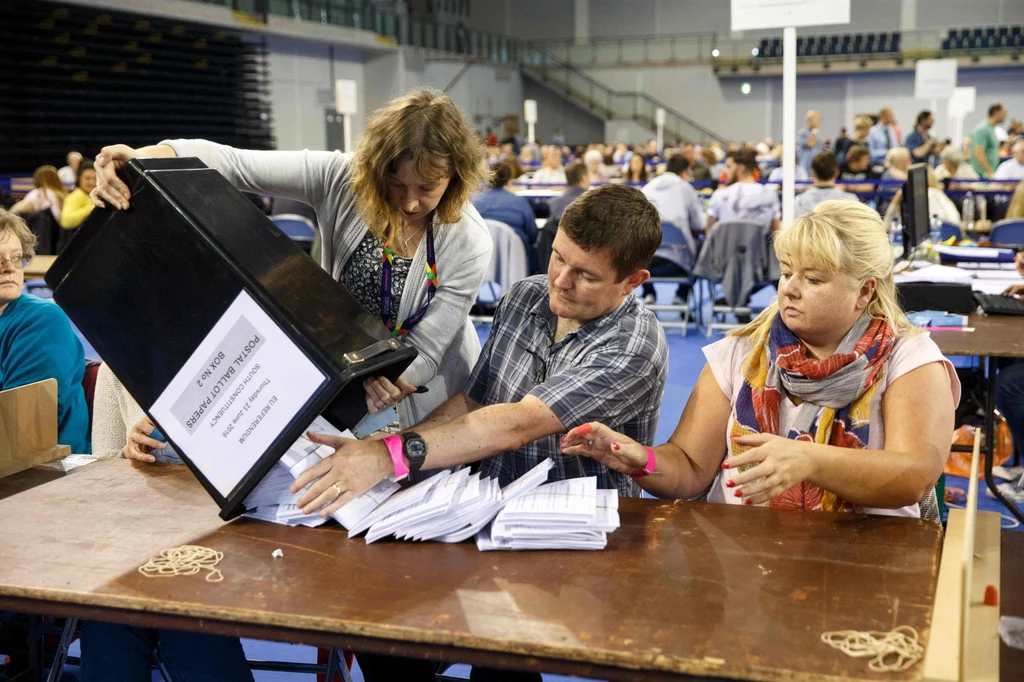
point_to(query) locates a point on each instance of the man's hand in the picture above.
(355, 467)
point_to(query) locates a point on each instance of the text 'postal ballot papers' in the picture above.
(236, 394)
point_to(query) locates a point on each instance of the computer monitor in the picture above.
(914, 211)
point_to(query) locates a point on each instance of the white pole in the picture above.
(788, 122)
(348, 132)
(529, 132)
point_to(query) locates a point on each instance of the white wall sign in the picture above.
(934, 78)
(236, 394)
(659, 116)
(962, 102)
(530, 110)
(346, 97)
(749, 15)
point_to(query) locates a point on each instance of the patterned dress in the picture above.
(363, 273)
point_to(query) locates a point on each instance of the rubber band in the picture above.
(184, 560)
(891, 652)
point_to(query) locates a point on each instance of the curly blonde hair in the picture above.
(848, 238)
(427, 128)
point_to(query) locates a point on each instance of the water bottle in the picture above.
(935, 233)
(968, 212)
(896, 237)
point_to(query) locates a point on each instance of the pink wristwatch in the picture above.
(397, 451)
(648, 468)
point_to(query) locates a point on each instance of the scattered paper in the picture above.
(277, 553)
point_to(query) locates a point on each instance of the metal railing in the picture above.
(459, 39)
(712, 48)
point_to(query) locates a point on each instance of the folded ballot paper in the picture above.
(452, 506)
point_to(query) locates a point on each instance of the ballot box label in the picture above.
(238, 391)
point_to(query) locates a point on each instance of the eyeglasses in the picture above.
(18, 262)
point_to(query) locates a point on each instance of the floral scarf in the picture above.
(836, 394)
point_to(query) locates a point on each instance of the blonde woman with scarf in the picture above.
(828, 401)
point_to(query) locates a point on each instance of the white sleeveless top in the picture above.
(726, 357)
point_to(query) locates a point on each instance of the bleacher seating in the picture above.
(77, 77)
(834, 45)
(988, 39)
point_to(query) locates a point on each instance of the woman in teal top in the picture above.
(36, 339)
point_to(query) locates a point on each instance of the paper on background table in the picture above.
(990, 286)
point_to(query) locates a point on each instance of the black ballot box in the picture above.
(227, 335)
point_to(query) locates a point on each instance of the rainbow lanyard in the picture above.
(388, 258)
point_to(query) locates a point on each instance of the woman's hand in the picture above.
(1016, 290)
(381, 393)
(109, 187)
(781, 463)
(140, 443)
(1018, 260)
(355, 467)
(613, 450)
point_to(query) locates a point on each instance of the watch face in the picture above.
(416, 448)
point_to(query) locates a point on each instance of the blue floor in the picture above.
(685, 364)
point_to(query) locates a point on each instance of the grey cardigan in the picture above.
(448, 344)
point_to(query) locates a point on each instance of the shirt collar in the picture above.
(541, 313)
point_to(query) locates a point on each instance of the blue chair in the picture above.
(951, 230)
(1015, 30)
(1004, 31)
(1009, 231)
(299, 229)
(945, 44)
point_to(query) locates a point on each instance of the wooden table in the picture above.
(994, 336)
(683, 589)
(38, 266)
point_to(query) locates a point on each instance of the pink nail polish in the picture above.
(738, 493)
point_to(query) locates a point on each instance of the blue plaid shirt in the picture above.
(611, 370)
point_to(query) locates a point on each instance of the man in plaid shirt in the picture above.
(565, 349)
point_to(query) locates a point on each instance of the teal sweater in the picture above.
(37, 343)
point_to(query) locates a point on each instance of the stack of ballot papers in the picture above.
(452, 506)
(271, 499)
(570, 514)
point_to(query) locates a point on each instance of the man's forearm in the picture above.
(982, 159)
(923, 150)
(457, 406)
(487, 431)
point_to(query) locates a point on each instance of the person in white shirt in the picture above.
(1012, 168)
(552, 171)
(799, 174)
(677, 203)
(69, 173)
(744, 198)
(594, 161)
(48, 194)
(938, 203)
(825, 169)
(954, 167)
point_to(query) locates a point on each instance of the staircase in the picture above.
(579, 88)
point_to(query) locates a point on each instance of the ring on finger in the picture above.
(337, 489)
